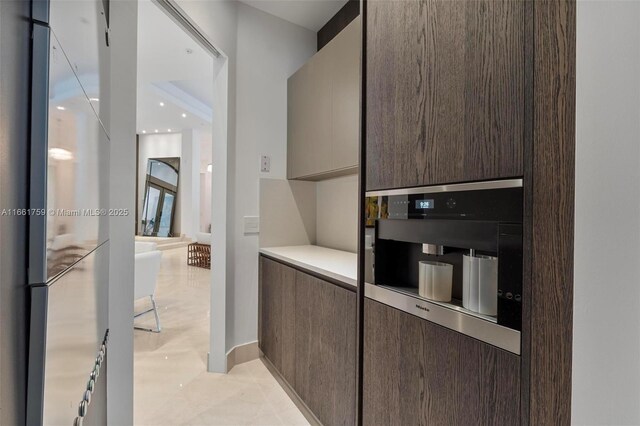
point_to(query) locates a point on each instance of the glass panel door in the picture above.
(164, 227)
(150, 210)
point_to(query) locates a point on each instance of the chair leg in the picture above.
(155, 312)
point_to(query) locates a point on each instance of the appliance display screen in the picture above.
(424, 204)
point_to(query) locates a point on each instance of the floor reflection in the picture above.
(172, 386)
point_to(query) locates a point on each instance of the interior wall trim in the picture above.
(242, 353)
(179, 16)
(362, 185)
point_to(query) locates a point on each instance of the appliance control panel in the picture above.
(503, 205)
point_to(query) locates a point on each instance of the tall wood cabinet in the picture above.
(418, 373)
(307, 330)
(324, 110)
(472, 90)
(445, 91)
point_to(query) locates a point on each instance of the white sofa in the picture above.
(147, 267)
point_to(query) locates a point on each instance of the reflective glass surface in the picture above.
(77, 168)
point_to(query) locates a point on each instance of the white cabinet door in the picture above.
(345, 114)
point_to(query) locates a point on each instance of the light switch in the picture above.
(265, 164)
(251, 224)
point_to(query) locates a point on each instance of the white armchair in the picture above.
(147, 267)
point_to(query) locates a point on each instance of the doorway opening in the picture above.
(181, 129)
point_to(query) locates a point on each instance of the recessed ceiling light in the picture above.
(168, 130)
(94, 99)
(184, 115)
(156, 130)
(144, 131)
(161, 103)
(61, 108)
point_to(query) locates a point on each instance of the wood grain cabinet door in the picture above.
(276, 315)
(418, 373)
(444, 91)
(325, 337)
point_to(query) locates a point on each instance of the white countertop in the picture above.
(337, 264)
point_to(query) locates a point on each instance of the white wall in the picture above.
(323, 213)
(263, 51)
(269, 51)
(287, 213)
(606, 323)
(205, 202)
(190, 183)
(337, 213)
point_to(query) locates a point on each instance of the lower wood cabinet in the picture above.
(418, 373)
(326, 349)
(307, 329)
(276, 315)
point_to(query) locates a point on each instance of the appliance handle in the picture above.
(37, 354)
(37, 273)
(40, 11)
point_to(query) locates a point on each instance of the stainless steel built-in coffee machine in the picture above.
(451, 254)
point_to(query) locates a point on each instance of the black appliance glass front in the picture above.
(478, 222)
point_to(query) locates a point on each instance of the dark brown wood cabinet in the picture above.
(307, 330)
(418, 373)
(277, 315)
(445, 91)
(326, 349)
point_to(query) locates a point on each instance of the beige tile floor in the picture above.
(172, 386)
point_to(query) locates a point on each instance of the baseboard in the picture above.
(306, 411)
(241, 354)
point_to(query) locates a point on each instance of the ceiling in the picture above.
(310, 14)
(175, 76)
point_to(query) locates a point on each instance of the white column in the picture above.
(189, 183)
(124, 28)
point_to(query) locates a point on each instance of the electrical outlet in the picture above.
(265, 164)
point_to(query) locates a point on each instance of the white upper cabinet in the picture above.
(324, 110)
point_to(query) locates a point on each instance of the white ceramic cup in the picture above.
(435, 280)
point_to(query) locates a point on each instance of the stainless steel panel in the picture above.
(80, 27)
(76, 220)
(40, 11)
(69, 318)
(15, 62)
(470, 325)
(37, 354)
(471, 186)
